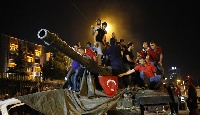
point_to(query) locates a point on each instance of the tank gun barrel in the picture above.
(53, 40)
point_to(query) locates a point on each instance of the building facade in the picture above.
(35, 55)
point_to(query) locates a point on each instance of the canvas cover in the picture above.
(66, 102)
(88, 101)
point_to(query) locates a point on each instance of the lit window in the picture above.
(37, 52)
(11, 63)
(13, 47)
(29, 59)
(37, 69)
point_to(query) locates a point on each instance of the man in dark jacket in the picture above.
(116, 62)
(192, 98)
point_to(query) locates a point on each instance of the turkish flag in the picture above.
(109, 84)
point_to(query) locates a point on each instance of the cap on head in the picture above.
(104, 24)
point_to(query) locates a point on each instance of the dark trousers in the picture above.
(193, 112)
(121, 80)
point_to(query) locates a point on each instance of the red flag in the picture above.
(109, 84)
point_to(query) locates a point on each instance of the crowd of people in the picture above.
(143, 69)
(146, 66)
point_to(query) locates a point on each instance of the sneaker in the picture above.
(70, 88)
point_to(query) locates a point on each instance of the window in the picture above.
(13, 47)
(29, 59)
(37, 53)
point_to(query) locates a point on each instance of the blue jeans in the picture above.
(69, 77)
(152, 79)
(73, 76)
(159, 68)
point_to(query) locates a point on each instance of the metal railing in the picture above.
(15, 85)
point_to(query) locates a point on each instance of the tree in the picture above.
(47, 69)
(20, 59)
(57, 67)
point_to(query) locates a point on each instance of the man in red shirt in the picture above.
(147, 73)
(91, 54)
(155, 57)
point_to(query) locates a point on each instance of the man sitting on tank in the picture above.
(147, 74)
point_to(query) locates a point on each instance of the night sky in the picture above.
(175, 25)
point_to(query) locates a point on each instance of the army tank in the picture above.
(148, 100)
(90, 100)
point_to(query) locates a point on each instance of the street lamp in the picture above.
(177, 81)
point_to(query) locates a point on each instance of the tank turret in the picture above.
(53, 40)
